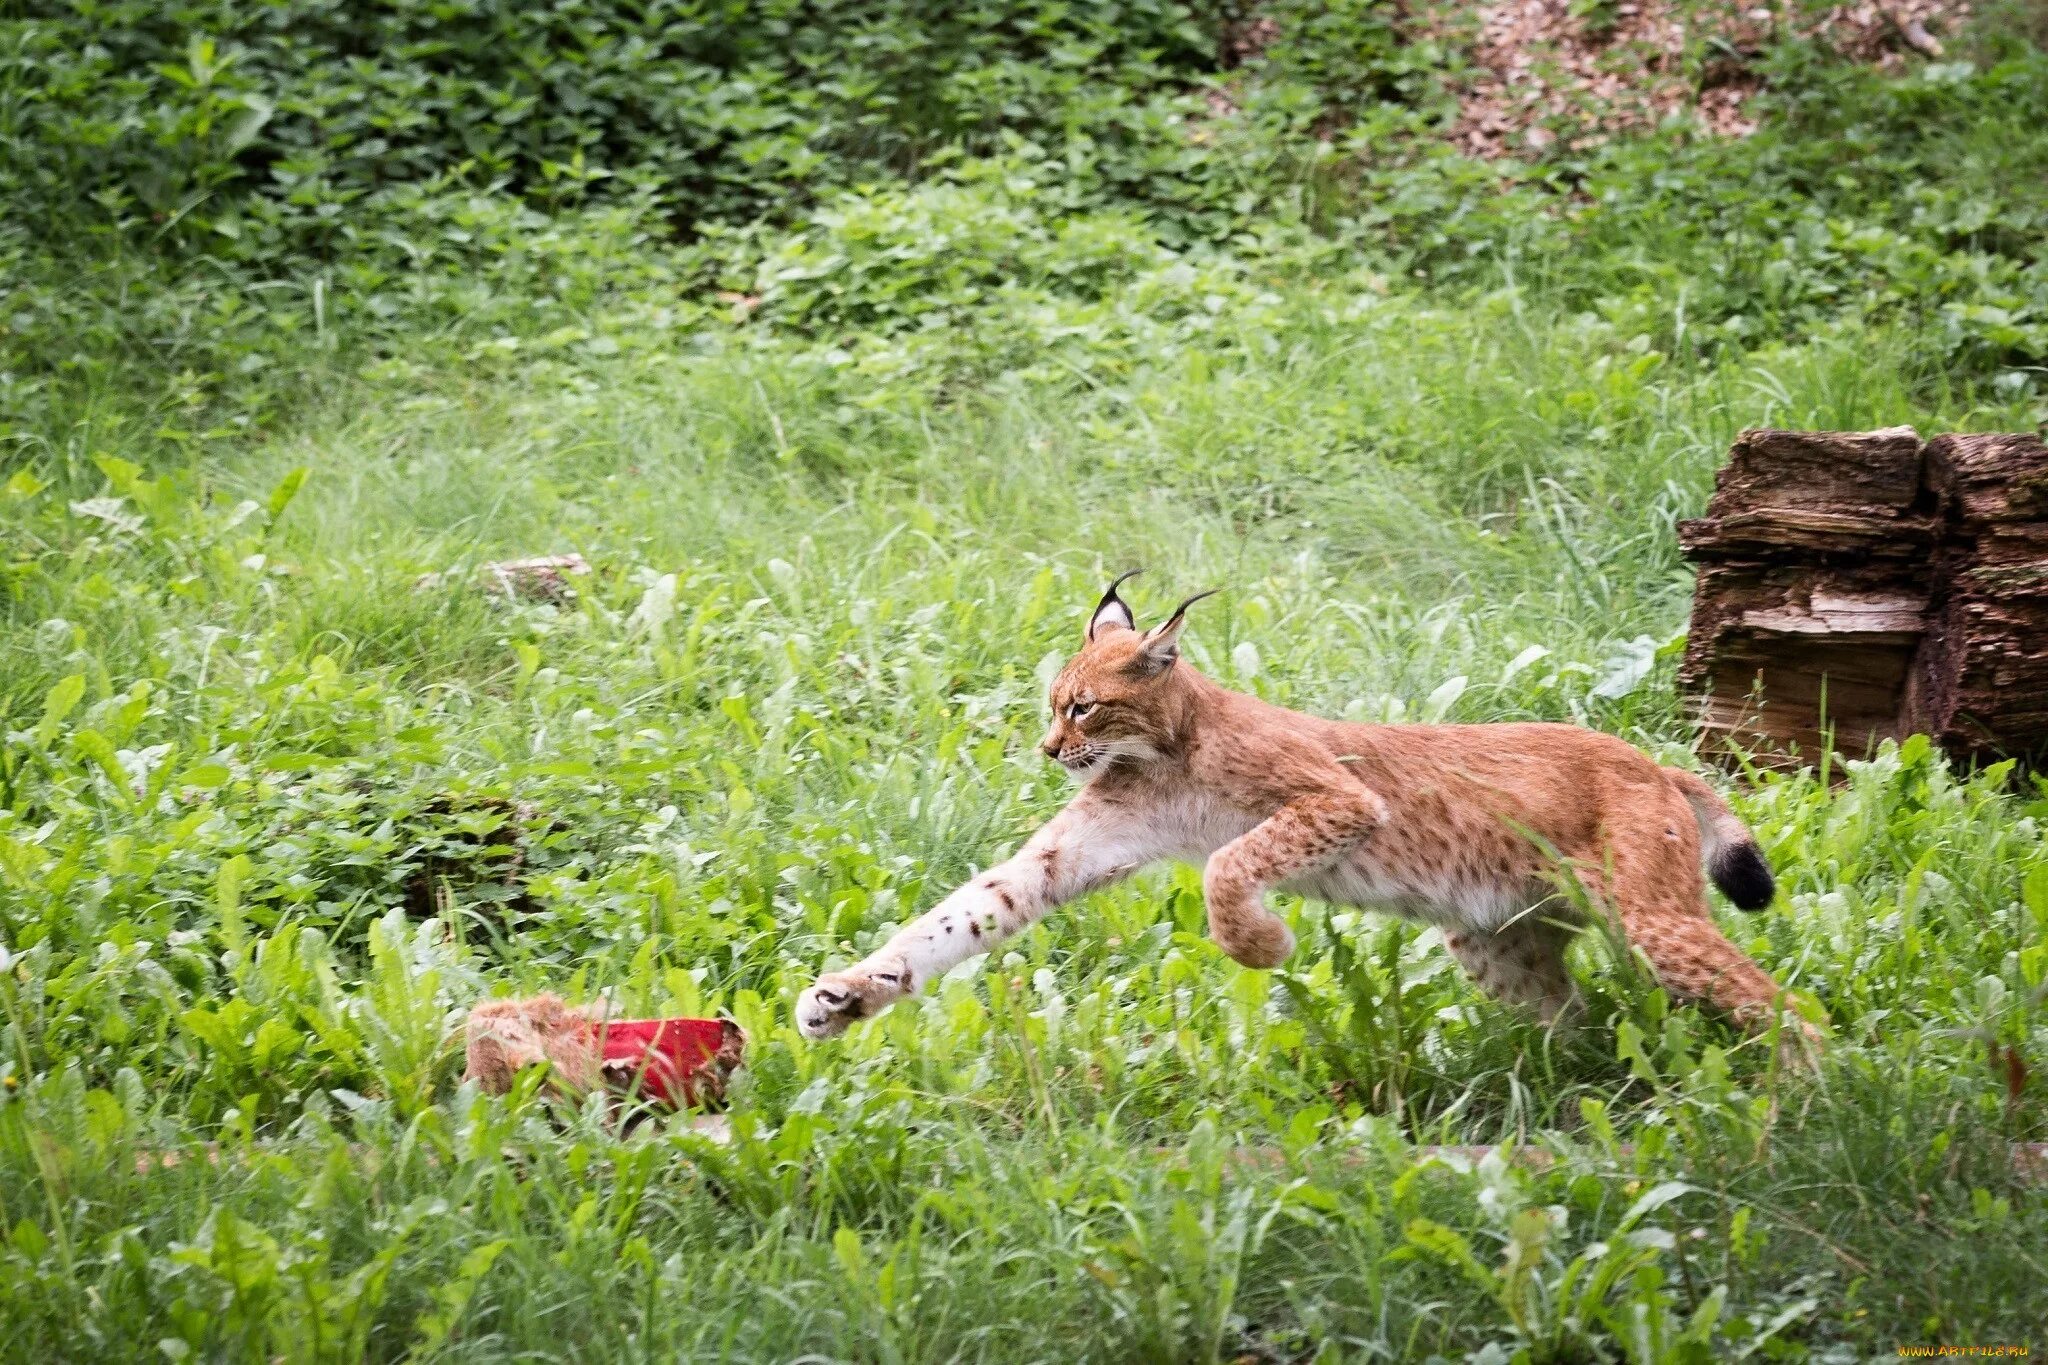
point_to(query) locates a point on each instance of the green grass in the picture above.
(796, 701)
(274, 814)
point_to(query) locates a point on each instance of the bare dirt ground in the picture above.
(1584, 71)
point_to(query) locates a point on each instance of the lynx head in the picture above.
(1124, 697)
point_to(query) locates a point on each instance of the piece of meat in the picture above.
(672, 1062)
(663, 1062)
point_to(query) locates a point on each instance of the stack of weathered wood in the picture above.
(1870, 585)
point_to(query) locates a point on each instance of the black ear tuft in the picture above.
(1173, 622)
(1162, 642)
(1111, 610)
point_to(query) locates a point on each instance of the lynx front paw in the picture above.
(837, 999)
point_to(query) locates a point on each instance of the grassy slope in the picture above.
(830, 724)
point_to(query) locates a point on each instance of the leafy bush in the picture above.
(207, 197)
(266, 124)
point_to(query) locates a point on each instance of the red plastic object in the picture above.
(675, 1062)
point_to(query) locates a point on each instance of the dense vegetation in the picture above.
(854, 348)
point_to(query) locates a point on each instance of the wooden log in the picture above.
(1981, 681)
(1859, 586)
(1813, 590)
(1777, 653)
(1867, 473)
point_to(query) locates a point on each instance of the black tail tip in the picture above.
(1743, 876)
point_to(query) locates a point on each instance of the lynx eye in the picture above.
(1079, 709)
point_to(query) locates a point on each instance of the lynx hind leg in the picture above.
(1522, 963)
(1661, 898)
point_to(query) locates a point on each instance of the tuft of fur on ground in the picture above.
(505, 1036)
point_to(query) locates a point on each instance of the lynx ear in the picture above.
(1162, 642)
(1110, 612)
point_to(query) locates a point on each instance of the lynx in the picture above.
(1461, 826)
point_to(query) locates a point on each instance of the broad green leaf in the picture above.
(1653, 1199)
(28, 1239)
(57, 705)
(287, 488)
(2034, 891)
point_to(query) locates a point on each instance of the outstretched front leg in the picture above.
(1307, 832)
(1087, 845)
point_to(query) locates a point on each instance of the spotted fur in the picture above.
(1462, 826)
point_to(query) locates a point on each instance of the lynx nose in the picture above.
(1052, 748)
